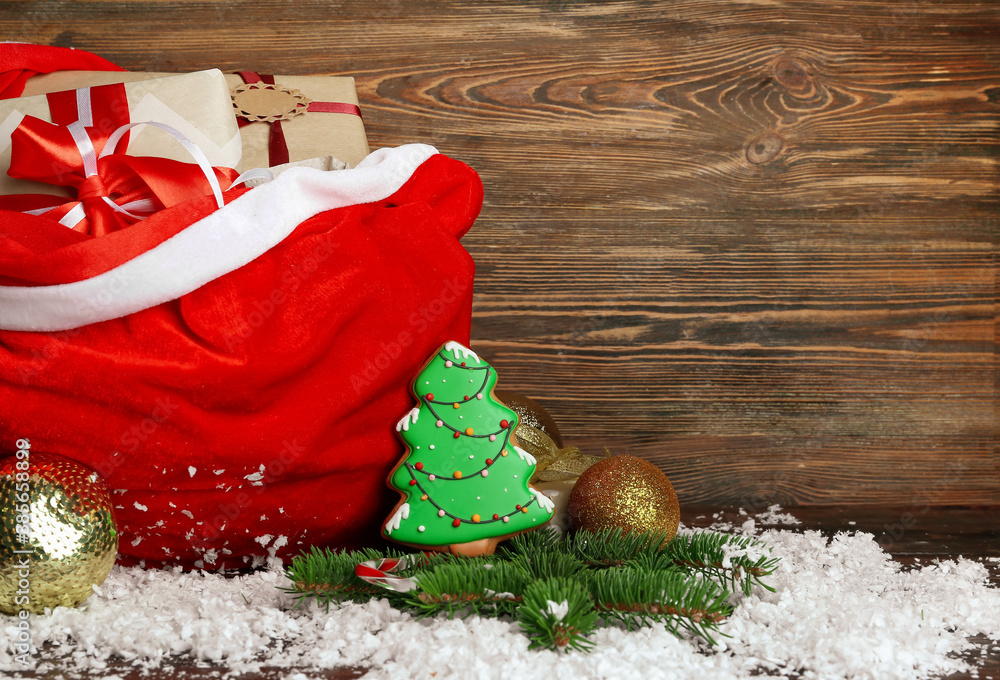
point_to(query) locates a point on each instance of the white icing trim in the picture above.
(407, 420)
(525, 456)
(212, 247)
(543, 500)
(460, 351)
(402, 512)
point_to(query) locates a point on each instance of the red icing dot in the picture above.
(457, 435)
(518, 507)
(489, 461)
(463, 363)
(466, 397)
(504, 424)
(430, 397)
(413, 482)
(419, 466)
(496, 516)
(457, 523)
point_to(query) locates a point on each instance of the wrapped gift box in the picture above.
(196, 104)
(317, 115)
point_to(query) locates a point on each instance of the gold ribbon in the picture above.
(553, 463)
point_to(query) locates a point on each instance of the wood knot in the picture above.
(793, 75)
(764, 148)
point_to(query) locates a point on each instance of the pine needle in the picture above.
(557, 614)
(737, 562)
(559, 588)
(612, 547)
(329, 576)
(549, 564)
(543, 540)
(680, 601)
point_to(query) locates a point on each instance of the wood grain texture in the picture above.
(754, 242)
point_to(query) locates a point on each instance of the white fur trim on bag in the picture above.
(211, 247)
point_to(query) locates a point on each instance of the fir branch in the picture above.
(613, 547)
(505, 585)
(549, 564)
(329, 576)
(446, 588)
(550, 583)
(737, 562)
(557, 614)
(531, 542)
(679, 600)
(484, 586)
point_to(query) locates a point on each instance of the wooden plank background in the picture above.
(754, 242)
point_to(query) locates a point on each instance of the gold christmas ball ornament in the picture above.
(58, 536)
(627, 493)
(531, 413)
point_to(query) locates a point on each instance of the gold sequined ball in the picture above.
(58, 536)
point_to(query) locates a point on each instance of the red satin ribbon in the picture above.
(106, 107)
(48, 152)
(21, 61)
(277, 147)
(334, 107)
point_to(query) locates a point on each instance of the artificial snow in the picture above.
(558, 610)
(842, 608)
(773, 515)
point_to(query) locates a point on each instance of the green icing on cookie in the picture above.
(462, 478)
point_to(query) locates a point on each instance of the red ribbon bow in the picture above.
(112, 190)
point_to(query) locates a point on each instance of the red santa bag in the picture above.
(235, 373)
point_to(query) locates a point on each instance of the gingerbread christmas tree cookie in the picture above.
(464, 480)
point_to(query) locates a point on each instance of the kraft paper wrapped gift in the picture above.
(195, 104)
(315, 115)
